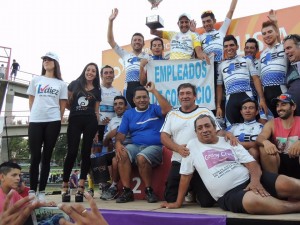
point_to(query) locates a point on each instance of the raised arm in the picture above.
(110, 34)
(164, 104)
(231, 9)
(272, 17)
(143, 72)
(158, 33)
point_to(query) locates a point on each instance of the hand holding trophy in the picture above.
(154, 21)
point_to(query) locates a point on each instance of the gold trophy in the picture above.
(154, 21)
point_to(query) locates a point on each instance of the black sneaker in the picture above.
(126, 196)
(110, 194)
(150, 196)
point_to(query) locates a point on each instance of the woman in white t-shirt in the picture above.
(48, 96)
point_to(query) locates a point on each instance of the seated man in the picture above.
(120, 106)
(233, 177)
(279, 140)
(248, 131)
(143, 123)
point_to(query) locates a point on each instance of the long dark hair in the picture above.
(57, 72)
(81, 81)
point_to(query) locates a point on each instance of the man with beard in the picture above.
(131, 60)
(279, 140)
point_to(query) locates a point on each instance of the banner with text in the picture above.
(169, 74)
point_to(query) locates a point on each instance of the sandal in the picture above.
(65, 194)
(79, 194)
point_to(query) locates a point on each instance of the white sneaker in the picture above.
(189, 197)
(32, 193)
(42, 196)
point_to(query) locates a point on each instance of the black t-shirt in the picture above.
(83, 103)
(15, 66)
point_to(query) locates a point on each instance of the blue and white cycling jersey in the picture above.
(212, 42)
(235, 74)
(131, 63)
(273, 66)
(247, 131)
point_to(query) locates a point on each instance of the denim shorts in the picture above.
(153, 153)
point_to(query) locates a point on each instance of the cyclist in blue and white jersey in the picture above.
(157, 48)
(248, 130)
(273, 65)
(251, 49)
(235, 73)
(212, 39)
(131, 60)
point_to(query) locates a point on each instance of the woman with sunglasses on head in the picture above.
(84, 99)
(47, 101)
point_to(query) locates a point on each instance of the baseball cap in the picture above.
(284, 98)
(186, 15)
(51, 55)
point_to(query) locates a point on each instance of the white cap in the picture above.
(186, 15)
(51, 55)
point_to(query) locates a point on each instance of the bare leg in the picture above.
(269, 163)
(145, 170)
(115, 173)
(288, 187)
(124, 167)
(256, 204)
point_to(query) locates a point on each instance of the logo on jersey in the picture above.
(233, 67)
(134, 60)
(271, 57)
(210, 38)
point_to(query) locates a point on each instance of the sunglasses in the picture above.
(47, 59)
(295, 37)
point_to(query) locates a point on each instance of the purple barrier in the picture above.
(117, 217)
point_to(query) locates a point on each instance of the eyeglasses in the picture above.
(47, 59)
(108, 72)
(295, 37)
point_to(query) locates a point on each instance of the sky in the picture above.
(76, 29)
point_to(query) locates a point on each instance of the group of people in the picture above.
(251, 167)
(256, 91)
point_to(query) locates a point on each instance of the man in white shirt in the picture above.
(233, 177)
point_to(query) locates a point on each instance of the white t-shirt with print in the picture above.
(219, 165)
(47, 92)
